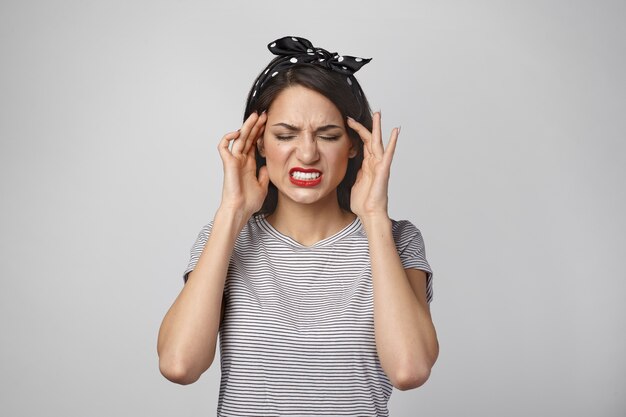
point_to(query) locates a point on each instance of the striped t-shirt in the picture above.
(297, 337)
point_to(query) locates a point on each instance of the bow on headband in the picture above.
(293, 50)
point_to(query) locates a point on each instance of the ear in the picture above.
(353, 151)
(260, 145)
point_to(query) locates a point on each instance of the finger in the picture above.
(391, 146)
(377, 137)
(239, 143)
(224, 143)
(253, 147)
(255, 133)
(245, 131)
(363, 132)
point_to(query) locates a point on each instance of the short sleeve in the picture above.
(196, 249)
(412, 251)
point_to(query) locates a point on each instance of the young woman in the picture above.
(320, 299)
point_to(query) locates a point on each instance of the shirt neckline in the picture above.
(353, 226)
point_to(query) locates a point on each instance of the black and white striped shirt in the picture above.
(297, 336)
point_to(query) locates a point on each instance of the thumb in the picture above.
(359, 175)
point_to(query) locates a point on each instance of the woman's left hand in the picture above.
(369, 193)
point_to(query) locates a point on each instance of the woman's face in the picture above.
(305, 145)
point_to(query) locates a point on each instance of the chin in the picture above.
(303, 196)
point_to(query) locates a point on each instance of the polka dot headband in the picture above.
(294, 50)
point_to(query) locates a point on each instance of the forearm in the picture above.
(405, 336)
(188, 334)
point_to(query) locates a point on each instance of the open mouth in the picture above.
(305, 177)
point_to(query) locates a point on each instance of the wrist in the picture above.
(236, 218)
(375, 220)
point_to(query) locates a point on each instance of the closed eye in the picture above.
(325, 137)
(287, 137)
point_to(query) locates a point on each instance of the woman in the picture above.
(320, 299)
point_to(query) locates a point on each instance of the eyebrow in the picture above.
(298, 129)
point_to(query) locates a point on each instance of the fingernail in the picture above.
(399, 127)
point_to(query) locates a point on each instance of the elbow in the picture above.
(408, 378)
(413, 371)
(177, 371)
(181, 364)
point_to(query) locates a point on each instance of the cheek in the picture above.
(338, 157)
(275, 153)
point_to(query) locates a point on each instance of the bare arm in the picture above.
(406, 340)
(188, 334)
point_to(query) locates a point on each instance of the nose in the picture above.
(307, 151)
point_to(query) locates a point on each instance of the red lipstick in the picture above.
(305, 182)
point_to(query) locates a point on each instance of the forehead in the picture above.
(301, 106)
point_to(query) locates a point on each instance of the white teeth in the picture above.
(305, 175)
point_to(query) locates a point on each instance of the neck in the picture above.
(309, 223)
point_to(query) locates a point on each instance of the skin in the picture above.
(316, 138)
(405, 336)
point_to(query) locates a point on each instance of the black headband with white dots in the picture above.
(294, 50)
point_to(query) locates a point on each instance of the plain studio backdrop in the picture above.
(511, 162)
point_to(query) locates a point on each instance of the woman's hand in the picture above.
(189, 332)
(369, 193)
(243, 192)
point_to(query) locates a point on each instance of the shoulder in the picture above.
(203, 234)
(404, 229)
(407, 237)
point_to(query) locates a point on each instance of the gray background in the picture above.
(510, 161)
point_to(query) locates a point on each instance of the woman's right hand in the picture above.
(243, 192)
(189, 332)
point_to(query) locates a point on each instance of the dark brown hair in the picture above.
(346, 95)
